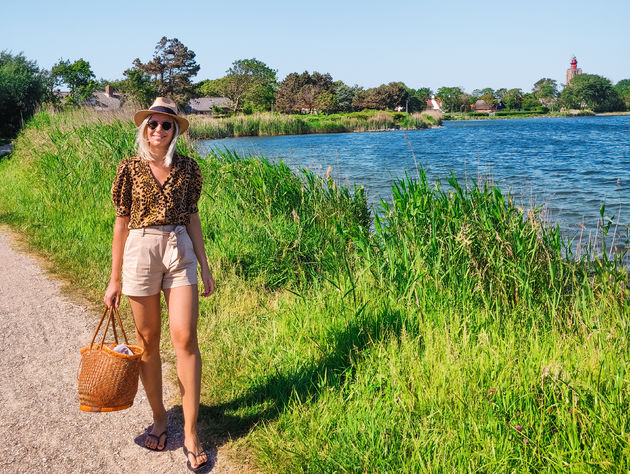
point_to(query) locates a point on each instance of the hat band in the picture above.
(166, 110)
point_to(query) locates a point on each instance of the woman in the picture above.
(157, 244)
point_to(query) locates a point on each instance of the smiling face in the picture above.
(159, 139)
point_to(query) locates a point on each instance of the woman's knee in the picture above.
(149, 340)
(185, 342)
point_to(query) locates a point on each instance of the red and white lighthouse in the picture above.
(573, 71)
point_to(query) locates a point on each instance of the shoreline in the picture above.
(381, 130)
(274, 124)
(443, 118)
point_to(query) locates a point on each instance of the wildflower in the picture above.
(519, 428)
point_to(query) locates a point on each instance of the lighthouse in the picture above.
(573, 70)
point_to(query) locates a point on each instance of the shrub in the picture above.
(22, 88)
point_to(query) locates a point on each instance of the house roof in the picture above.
(434, 103)
(100, 100)
(482, 105)
(205, 104)
(61, 94)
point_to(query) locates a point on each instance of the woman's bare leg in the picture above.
(183, 312)
(146, 314)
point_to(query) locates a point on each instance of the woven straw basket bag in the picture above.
(108, 380)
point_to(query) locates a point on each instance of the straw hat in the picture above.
(162, 106)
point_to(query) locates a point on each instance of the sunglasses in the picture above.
(166, 126)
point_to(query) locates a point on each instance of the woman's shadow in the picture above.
(270, 396)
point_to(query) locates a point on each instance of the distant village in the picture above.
(110, 99)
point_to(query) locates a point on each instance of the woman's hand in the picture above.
(112, 294)
(208, 282)
(196, 236)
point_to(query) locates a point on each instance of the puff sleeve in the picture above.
(122, 189)
(194, 189)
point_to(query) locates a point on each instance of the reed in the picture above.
(450, 333)
(283, 227)
(203, 127)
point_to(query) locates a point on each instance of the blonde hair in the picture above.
(142, 143)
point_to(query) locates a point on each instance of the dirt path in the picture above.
(41, 426)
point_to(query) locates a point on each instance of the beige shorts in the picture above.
(156, 258)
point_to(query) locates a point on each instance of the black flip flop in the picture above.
(201, 466)
(157, 439)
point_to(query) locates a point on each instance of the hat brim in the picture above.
(140, 115)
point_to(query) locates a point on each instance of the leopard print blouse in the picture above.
(137, 194)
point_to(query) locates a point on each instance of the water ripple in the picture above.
(572, 165)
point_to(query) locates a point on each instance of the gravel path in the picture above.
(41, 426)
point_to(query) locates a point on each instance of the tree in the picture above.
(530, 101)
(489, 99)
(475, 95)
(418, 99)
(396, 94)
(250, 82)
(546, 91)
(137, 86)
(344, 95)
(210, 88)
(512, 99)
(300, 92)
(78, 77)
(593, 92)
(326, 102)
(318, 85)
(500, 93)
(386, 96)
(22, 89)
(623, 89)
(488, 95)
(172, 67)
(452, 98)
(288, 93)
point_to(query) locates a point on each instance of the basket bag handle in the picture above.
(110, 317)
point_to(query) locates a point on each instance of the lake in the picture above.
(571, 165)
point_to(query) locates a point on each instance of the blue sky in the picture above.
(471, 44)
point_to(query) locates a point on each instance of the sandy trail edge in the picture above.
(41, 427)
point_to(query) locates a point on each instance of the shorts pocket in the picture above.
(138, 256)
(186, 251)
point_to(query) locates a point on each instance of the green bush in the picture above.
(22, 89)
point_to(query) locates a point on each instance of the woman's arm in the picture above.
(114, 289)
(196, 235)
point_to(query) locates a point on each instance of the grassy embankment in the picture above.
(455, 337)
(205, 127)
(512, 114)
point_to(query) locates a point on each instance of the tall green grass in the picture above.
(268, 222)
(281, 124)
(450, 335)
